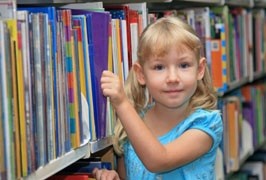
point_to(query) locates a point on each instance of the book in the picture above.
(7, 121)
(15, 112)
(99, 62)
(71, 177)
(89, 62)
(65, 17)
(117, 48)
(122, 12)
(16, 39)
(23, 20)
(85, 19)
(141, 8)
(75, 125)
(248, 115)
(2, 145)
(202, 27)
(221, 13)
(218, 56)
(187, 15)
(120, 43)
(134, 34)
(258, 17)
(86, 166)
(80, 69)
(8, 9)
(51, 74)
(39, 99)
(234, 129)
(238, 42)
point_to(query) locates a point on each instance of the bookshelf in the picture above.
(96, 146)
(244, 3)
(22, 2)
(60, 163)
(84, 151)
(88, 147)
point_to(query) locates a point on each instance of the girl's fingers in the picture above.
(103, 174)
(109, 175)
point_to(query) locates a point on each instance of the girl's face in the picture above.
(172, 79)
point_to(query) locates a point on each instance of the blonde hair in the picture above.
(156, 40)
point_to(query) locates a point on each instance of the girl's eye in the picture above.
(184, 65)
(158, 67)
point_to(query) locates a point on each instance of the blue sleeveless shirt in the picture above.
(202, 168)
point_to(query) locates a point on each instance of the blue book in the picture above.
(86, 167)
(52, 18)
(98, 49)
(83, 23)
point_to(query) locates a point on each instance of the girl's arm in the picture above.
(155, 156)
(121, 168)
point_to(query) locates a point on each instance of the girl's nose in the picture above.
(173, 76)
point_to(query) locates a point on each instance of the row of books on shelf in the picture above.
(43, 70)
(233, 38)
(253, 168)
(51, 64)
(244, 118)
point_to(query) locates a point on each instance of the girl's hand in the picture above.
(112, 87)
(103, 174)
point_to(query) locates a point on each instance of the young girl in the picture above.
(173, 131)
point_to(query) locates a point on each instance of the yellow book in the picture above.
(80, 59)
(12, 26)
(119, 49)
(7, 157)
(16, 37)
(110, 51)
(110, 111)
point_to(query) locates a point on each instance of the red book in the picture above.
(70, 177)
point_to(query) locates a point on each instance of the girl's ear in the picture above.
(139, 73)
(201, 68)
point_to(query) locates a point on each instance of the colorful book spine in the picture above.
(8, 102)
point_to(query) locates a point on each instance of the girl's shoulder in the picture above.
(202, 115)
(205, 119)
(208, 121)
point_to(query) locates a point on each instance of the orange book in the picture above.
(246, 93)
(233, 134)
(77, 26)
(216, 64)
(218, 57)
(119, 48)
(110, 47)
